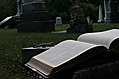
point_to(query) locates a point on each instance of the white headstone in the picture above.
(105, 9)
(58, 21)
(88, 19)
(100, 14)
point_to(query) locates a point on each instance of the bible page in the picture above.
(104, 38)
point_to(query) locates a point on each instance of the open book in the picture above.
(71, 52)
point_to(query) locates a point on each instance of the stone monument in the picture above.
(100, 20)
(111, 11)
(35, 18)
(105, 9)
(19, 8)
(78, 23)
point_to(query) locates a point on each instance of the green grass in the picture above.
(105, 26)
(11, 43)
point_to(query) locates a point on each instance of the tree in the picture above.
(8, 8)
(63, 7)
(59, 8)
(97, 2)
(90, 10)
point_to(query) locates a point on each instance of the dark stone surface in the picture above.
(28, 53)
(81, 28)
(34, 6)
(77, 15)
(28, 1)
(35, 16)
(37, 26)
(112, 6)
(112, 13)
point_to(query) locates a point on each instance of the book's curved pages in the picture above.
(71, 52)
(109, 39)
(62, 56)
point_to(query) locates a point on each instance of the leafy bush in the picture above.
(62, 8)
(90, 10)
(59, 8)
(7, 8)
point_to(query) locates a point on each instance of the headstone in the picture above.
(58, 21)
(33, 6)
(78, 23)
(105, 9)
(100, 20)
(112, 12)
(19, 8)
(89, 20)
(35, 18)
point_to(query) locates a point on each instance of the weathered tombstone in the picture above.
(58, 21)
(89, 20)
(19, 8)
(105, 9)
(100, 20)
(35, 18)
(78, 23)
(112, 12)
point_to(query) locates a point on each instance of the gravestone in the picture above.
(89, 20)
(105, 9)
(35, 18)
(78, 23)
(112, 12)
(19, 8)
(100, 20)
(58, 21)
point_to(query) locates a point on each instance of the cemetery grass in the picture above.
(11, 43)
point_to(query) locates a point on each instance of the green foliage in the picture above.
(62, 8)
(7, 8)
(84, 1)
(97, 2)
(59, 8)
(90, 10)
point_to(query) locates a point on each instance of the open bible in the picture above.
(72, 52)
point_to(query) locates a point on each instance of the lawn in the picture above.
(11, 43)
